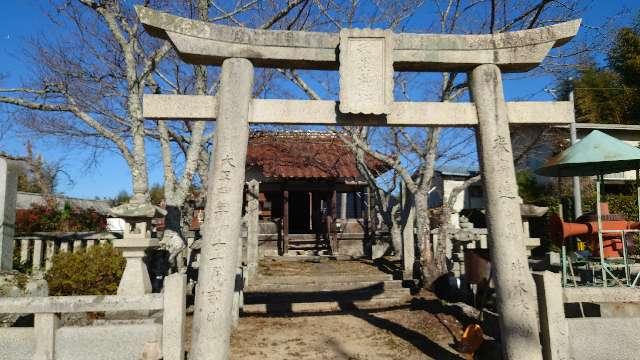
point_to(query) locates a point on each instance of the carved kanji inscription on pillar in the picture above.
(366, 71)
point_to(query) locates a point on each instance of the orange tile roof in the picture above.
(304, 155)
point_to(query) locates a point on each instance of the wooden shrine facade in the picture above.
(312, 199)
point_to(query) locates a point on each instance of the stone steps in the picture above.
(337, 286)
(308, 244)
(335, 292)
(326, 306)
(332, 278)
(373, 293)
(302, 237)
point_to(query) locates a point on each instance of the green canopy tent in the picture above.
(596, 155)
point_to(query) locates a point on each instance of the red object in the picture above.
(305, 155)
(586, 228)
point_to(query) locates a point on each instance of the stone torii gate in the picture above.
(366, 60)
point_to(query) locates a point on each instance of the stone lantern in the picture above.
(136, 238)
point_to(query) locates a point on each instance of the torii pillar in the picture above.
(213, 318)
(517, 301)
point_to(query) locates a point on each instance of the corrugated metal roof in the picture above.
(24, 200)
(458, 171)
(304, 155)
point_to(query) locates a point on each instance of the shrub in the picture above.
(42, 218)
(624, 204)
(96, 271)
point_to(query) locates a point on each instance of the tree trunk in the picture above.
(172, 238)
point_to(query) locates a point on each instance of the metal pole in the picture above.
(624, 257)
(564, 265)
(599, 215)
(638, 191)
(577, 192)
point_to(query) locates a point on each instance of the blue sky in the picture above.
(21, 19)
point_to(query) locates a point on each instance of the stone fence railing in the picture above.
(604, 326)
(47, 339)
(39, 248)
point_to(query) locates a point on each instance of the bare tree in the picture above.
(414, 153)
(87, 87)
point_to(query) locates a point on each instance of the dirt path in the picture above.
(406, 333)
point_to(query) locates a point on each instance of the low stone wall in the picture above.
(39, 248)
(605, 337)
(140, 339)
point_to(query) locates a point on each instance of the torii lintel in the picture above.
(199, 42)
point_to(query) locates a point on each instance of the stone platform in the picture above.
(321, 285)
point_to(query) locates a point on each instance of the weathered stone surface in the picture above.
(221, 231)
(138, 210)
(73, 304)
(174, 317)
(17, 285)
(323, 112)
(8, 193)
(366, 71)
(151, 351)
(601, 295)
(201, 42)
(528, 210)
(17, 343)
(252, 215)
(45, 326)
(514, 287)
(135, 278)
(553, 325)
(604, 338)
(108, 342)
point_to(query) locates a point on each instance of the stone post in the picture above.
(24, 251)
(221, 231)
(37, 255)
(253, 224)
(8, 194)
(44, 333)
(553, 325)
(514, 285)
(408, 236)
(174, 317)
(343, 206)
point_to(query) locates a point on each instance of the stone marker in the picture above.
(212, 315)
(515, 289)
(8, 194)
(253, 226)
(136, 238)
(366, 71)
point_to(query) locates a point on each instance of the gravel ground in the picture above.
(404, 334)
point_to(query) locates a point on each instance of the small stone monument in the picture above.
(136, 238)
(8, 193)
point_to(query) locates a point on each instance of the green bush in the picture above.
(96, 271)
(624, 204)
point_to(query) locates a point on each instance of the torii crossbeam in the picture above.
(366, 60)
